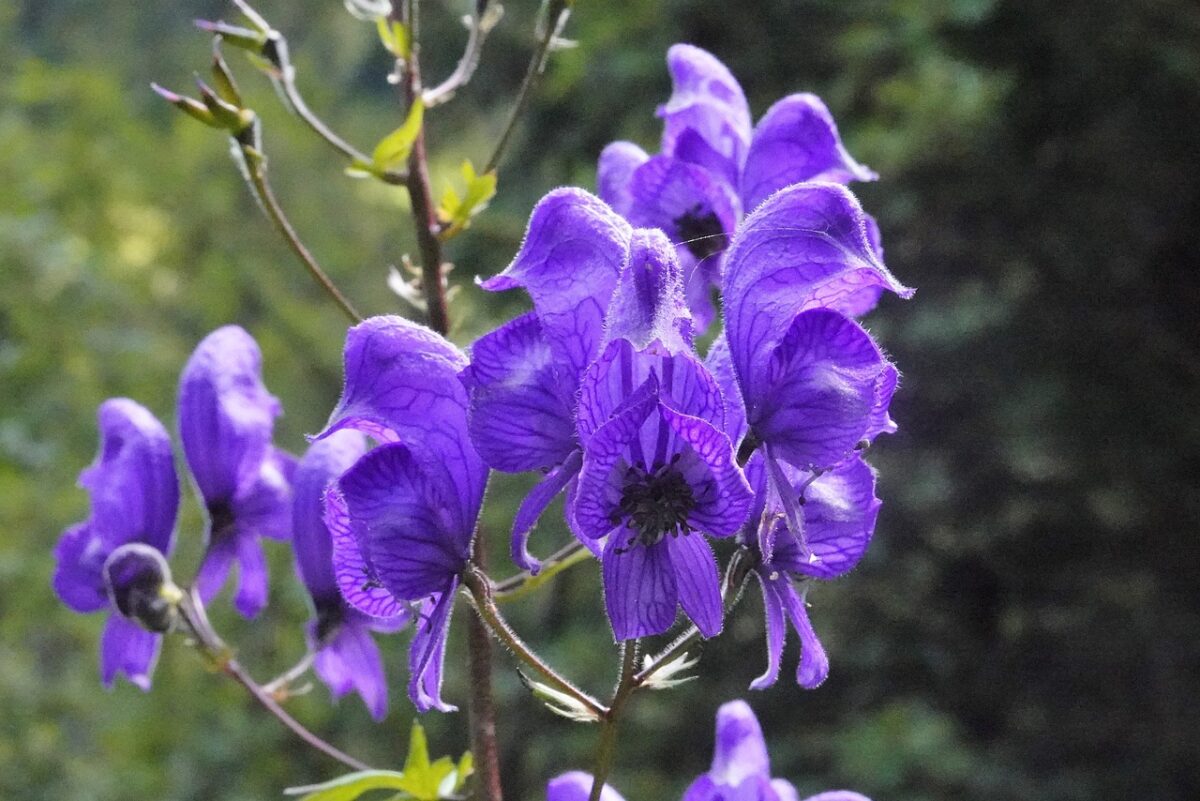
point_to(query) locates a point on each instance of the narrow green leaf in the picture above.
(394, 37)
(456, 212)
(350, 786)
(392, 151)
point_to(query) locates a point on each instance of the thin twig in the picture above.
(557, 11)
(215, 649)
(520, 585)
(256, 176)
(480, 26)
(283, 681)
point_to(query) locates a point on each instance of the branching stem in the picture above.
(520, 585)
(606, 749)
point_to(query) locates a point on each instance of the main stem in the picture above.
(606, 750)
(482, 706)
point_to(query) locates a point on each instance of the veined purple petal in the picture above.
(720, 366)
(226, 415)
(805, 247)
(722, 496)
(577, 786)
(696, 210)
(398, 510)
(640, 593)
(351, 661)
(814, 664)
(521, 399)
(125, 647)
(647, 308)
(819, 395)
(535, 503)
(574, 249)
(706, 98)
(740, 750)
(776, 632)
(617, 162)
(796, 140)
(402, 385)
(325, 460)
(839, 518)
(357, 580)
(692, 147)
(427, 653)
(881, 421)
(697, 582)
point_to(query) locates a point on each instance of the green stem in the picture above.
(606, 749)
(522, 584)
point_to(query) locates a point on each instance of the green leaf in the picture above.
(456, 212)
(422, 778)
(394, 37)
(393, 149)
(350, 786)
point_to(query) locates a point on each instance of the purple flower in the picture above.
(226, 420)
(346, 657)
(658, 470)
(577, 786)
(134, 500)
(403, 516)
(713, 167)
(524, 376)
(741, 769)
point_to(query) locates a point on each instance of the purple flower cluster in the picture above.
(740, 770)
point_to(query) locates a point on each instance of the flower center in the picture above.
(654, 503)
(221, 519)
(701, 232)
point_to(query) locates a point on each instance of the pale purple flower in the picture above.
(658, 470)
(714, 166)
(402, 518)
(741, 769)
(134, 500)
(524, 376)
(226, 421)
(576, 785)
(346, 657)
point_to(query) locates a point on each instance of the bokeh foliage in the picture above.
(1026, 623)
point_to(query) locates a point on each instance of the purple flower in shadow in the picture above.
(134, 500)
(577, 786)
(346, 657)
(402, 517)
(226, 422)
(714, 166)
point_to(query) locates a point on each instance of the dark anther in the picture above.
(654, 504)
(702, 232)
(220, 520)
(138, 582)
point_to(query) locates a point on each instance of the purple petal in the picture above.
(357, 580)
(722, 496)
(577, 786)
(805, 247)
(125, 647)
(573, 251)
(740, 751)
(697, 582)
(706, 98)
(535, 503)
(881, 422)
(215, 566)
(814, 664)
(785, 791)
(776, 627)
(398, 511)
(639, 587)
(838, 795)
(839, 518)
(696, 210)
(720, 366)
(263, 508)
(819, 395)
(78, 574)
(402, 385)
(617, 162)
(521, 400)
(648, 307)
(796, 140)
(325, 460)
(226, 415)
(693, 148)
(427, 653)
(351, 661)
(251, 594)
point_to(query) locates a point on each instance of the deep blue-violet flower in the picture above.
(524, 376)
(402, 517)
(741, 769)
(658, 470)
(346, 657)
(134, 500)
(226, 422)
(576, 785)
(714, 167)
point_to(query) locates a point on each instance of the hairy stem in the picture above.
(606, 749)
(256, 176)
(479, 586)
(194, 616)
(555, 17)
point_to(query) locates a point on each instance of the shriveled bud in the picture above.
(235, 36)
(193, 108)
(138, 582)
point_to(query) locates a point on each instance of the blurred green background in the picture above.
(1026, 624)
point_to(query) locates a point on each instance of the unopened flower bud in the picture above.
(138, 581)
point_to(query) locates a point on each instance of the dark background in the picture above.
(1025, 625)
